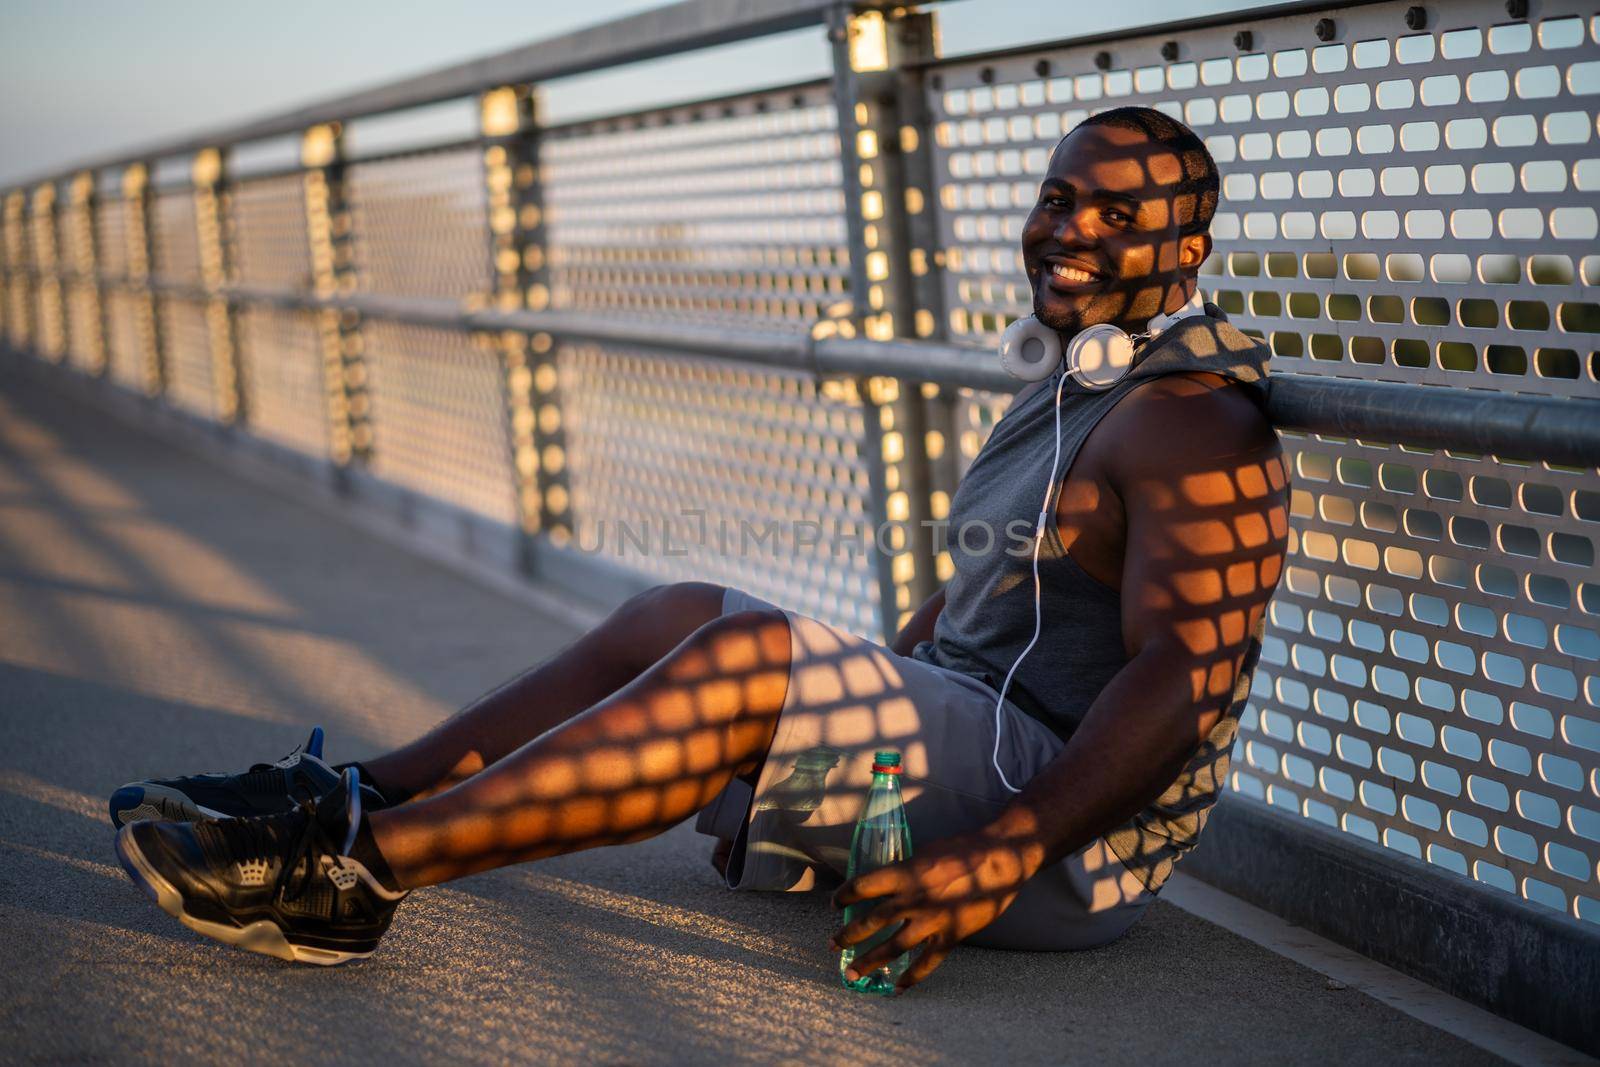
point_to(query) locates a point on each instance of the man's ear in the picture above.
(1193, 250)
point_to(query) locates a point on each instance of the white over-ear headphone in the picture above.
(1097, 357)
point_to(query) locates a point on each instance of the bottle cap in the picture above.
(886, 762)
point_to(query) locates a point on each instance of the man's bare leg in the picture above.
(599, 663)
(638, 762)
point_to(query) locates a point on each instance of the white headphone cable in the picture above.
(1038, 619)
(1194, 306)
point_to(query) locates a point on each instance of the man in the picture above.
(1166, 538)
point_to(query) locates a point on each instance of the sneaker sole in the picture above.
(260, 936)
(155, 803)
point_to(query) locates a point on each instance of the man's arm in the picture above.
(919, 627)
(1207, 529)
(1204, 490)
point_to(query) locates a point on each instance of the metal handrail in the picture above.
(1558, 430)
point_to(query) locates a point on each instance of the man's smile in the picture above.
(1073, 275)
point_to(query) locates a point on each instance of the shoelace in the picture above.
(267, 837)
(311, 833)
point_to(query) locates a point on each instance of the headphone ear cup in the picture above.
(1030, 350)
(1100, 356)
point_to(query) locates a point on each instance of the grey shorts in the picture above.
(849, 697)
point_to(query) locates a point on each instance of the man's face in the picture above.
(1103, 244)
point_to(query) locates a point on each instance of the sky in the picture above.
(82, 79)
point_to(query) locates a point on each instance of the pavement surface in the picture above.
(160, 616)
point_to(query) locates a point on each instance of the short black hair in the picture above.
(1201, 183)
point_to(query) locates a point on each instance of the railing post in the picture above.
(925, 266)
(215, 245)
(86, 243)
(870, 49)
(50, 328)
(331, 232)
(19, 313)
(510, 122)
(137, 198)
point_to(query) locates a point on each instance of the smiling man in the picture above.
(1045, 820)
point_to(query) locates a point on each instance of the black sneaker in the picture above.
(265, 789)
(284, 885)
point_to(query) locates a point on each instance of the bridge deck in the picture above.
(159, 616)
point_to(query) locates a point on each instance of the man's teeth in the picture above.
(1072, 274)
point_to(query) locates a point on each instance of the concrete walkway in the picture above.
(158, 616)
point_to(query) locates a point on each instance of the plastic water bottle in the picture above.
(881, 838)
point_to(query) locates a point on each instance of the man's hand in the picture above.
(951, 890)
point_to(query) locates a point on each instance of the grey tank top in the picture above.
(988, 614)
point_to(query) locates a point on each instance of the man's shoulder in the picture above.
(1183, 417)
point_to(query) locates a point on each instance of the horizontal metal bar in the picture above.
(1558, 430)
(711, 106)
(441, 314)
(417, 151)
(772, 348)
(1553, 429)
(284, 298)
(662, 31)
(925, 361)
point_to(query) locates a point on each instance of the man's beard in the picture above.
(1068, 317)
(1064, 321)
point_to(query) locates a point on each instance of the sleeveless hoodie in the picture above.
(988, 612)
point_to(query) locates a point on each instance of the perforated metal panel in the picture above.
(111, 232)
(186, 353)
(73, 224)
(703, 469)
(434, 201)
(1407, 206)
(176, 255)
(270, 247)
(84, 344)
(738, 213)
(48, 311)
(125, 349)
(280, 359)
(439, 416)
(1430, 678)
(18, 295)
(1377, 185)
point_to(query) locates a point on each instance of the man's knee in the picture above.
(650, 624)
(697, 601)
(747, 640)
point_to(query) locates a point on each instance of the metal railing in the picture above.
(792, 324)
